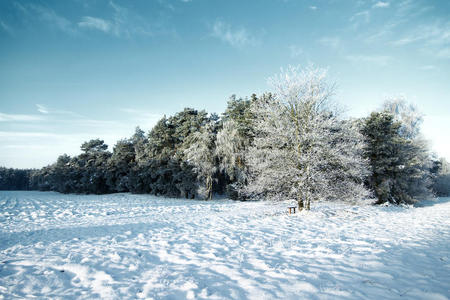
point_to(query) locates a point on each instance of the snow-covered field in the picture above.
(126, 246)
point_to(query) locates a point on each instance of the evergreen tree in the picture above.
(119, 166)
(93, 163)
(398, 173)
(14, 179)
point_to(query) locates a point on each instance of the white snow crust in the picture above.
(123, 246)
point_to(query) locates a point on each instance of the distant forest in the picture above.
(292, 143)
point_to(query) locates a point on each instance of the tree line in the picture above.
(292, 143)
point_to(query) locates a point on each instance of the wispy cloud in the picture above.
(333, 42)
(406, 7)
(405, 40)
(437, 33)
(31, 134)
(6, 28)
(120, 21)
(433, 38)
(381, 4)
(143, 118)
(380, 33)
(42, 109)
(444, 53)
(15, 146)
(95, 23)
(19, 117)
(235, 37)
(428, 68)
(360, 18)
(379, 60)
(128, 23)
(59, 131)
(409, 9)
(402, 15)
(47, 15)
(295, 51)
(312, 7)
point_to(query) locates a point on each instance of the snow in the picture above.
(125, 246)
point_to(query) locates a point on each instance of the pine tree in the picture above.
(398, 172)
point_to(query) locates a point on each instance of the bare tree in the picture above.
(405, 113)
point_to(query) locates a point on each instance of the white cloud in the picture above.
(433, 38)
(18, 118)
(312, 7)
(20, 134)
(382, 33)
(296, 51)
(235, 37)
(128, 23)
(60, 131)
(379, 60)
(6, 28)
(360, 18)
(331, 42)
(46, 15)
(428, 68)
(95, 23)
(405, 41)
(139, 112)
(381, 4)
(444, 53)
(143, 118)
(50, 111)
(122, 21)
(16, 147)
(404, 14)
(42, 109)
(50, 16)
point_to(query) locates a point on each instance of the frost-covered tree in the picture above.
(407, 114)
(139, 141)
(201, 155)
(230, 150)
(441, 177)
(233, 141)
(302, 150)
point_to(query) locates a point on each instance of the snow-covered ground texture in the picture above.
(126, 246)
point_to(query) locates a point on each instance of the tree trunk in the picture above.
(300, 204)
(208, 188)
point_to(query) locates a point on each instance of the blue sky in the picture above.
(74, 70)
